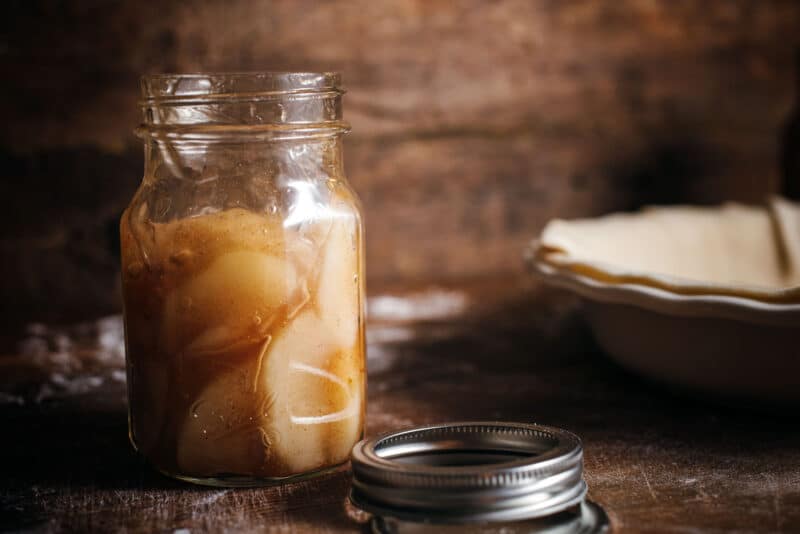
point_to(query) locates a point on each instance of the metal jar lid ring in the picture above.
(468, 472)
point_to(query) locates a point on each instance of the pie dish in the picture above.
(703, 298)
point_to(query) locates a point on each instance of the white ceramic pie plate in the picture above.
(728, 346)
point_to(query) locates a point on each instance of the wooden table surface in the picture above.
(482, 350)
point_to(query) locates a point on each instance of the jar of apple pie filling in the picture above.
(243, 280)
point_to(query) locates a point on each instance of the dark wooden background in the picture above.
(474, 122)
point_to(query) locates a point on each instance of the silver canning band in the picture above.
(469, 472)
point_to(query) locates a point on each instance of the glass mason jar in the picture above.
(243, 280)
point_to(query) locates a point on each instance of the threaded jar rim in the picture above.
(246, 105)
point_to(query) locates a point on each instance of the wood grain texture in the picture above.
(657, 462)
(473, 122)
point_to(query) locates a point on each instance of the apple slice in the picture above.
(229, 305)
(192, 243)
(221, 434)
(310, 399)
(338, 294)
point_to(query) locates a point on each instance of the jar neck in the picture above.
(218, 162)
(200, 126)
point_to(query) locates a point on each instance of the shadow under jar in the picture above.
(243, 280)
